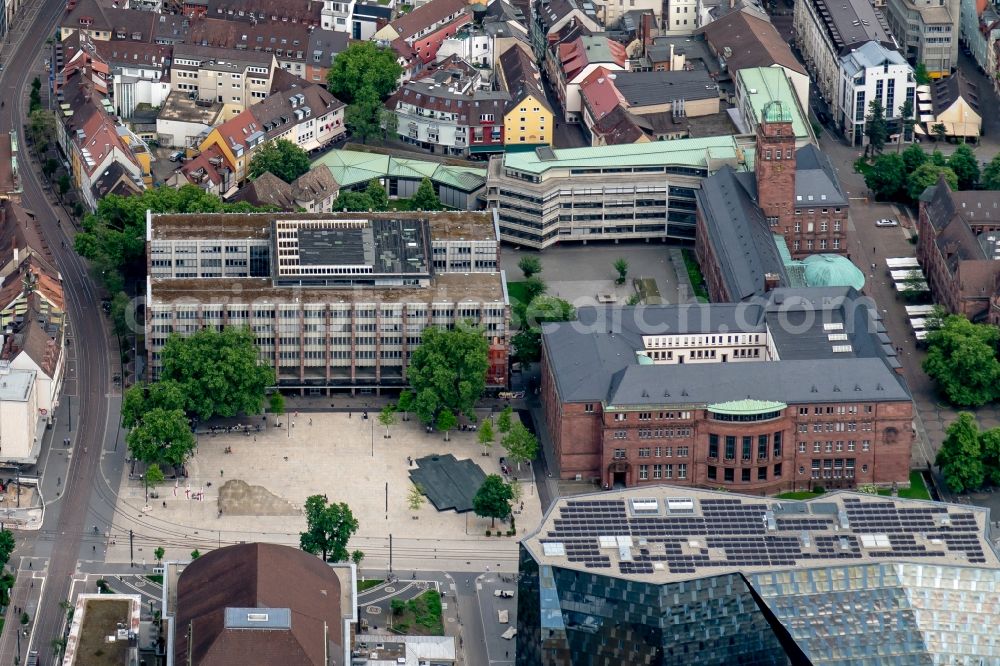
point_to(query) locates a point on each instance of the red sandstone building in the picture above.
(789, 393)
(959, 247)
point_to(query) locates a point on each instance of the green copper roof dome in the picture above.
(832, 270)
(777, 112)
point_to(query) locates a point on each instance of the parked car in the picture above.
(177, 156)
(504, 594)
(886, 222)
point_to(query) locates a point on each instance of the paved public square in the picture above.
(257, 491)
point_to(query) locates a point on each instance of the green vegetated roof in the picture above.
(679, 152)
(771, 85)
(351, 167)
(747, 406)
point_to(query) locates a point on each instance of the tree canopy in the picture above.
(966, 167)
(425, 198)
(876, 129)
(493, 499)
(886, 177)
(448, 371)
(142, 398)
(921, 75)
(960, 456)
(219, 373)
(363, 66)
(162, 437)
(927, 175)
(991, 174)
(329, 526)
(520, 444)
(529, 265)
(913, 157)
(282, 158)
(113, 237)
(961, 358)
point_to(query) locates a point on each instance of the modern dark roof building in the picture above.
(666, 575)
(636, 395)
(260, 604)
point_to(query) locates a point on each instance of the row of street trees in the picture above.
(969, 458)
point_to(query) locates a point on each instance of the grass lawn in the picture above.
(368, 584)
(695, 276)
(156, 578)
(799, 495)
(917, 489)
(420, 616)
(516, 292)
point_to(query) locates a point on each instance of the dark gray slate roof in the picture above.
(741, 239)
(828, 380)
(816, 178)
(588, 356)
(648, 88)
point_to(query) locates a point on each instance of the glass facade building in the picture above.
(676, 576)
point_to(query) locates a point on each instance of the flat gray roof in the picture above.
(15, 385)
(663, 534)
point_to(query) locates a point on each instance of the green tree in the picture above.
(405, 404)
(219, 372)
(927, 175)
(415, 497)
(446, 422)
(352, 201)
(63, 184)
(387, 417)
(921, 75)
(939, 131)
(493, 499)
(162, 437)
(425, 198)
(41, 128)
(363, 66)
(504, 420)
(960, 456)
(990, 445)
(113, 237)
(276, 403)
(282, 158)
(520, 444)
(142, 398)
(122, 315)
(36, 83)
(363, 116)
(876, 129)
(914, 157)
(159, 553)
(937, 158)
(966, 167)
(907, 120)
(527, 345)
(50, 166)
(886, 177)
(195, 554)
(533, 288)
(154, 476)
(544, 309)
(448, 371)
(621, 267)
(34, 101)
(357, 556)
(529, 265)
(991, 174)
(913, 285)
(377, 194)
(961, 358)
(329, 526)
(485, 435)
(7, 545)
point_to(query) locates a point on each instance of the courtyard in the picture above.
(257, 491)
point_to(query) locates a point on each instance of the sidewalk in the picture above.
(25, 595)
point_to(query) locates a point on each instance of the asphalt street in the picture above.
(67, 533)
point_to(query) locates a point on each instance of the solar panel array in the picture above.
(731, 532)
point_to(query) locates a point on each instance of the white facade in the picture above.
(21, 421)
(613, 10)
(473, 47)
(681, 17)
(872, 73)
(141, 87)
(46, 388)
(336, 15)
(180, 133)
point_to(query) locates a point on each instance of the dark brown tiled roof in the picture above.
(521, 77)
(307, 11)
(113, 19)
(618, 127)
(291, 38)
(268, 190)
(753, 42)
(408, 25)
(468, 107)
(257, 575)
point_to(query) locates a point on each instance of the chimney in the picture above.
(771, 281)
(670, 67)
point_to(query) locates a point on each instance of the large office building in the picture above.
(870, 73)
(797, 389)
(626, 192)
(680, 576)
(927, 32)
(336, 301)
